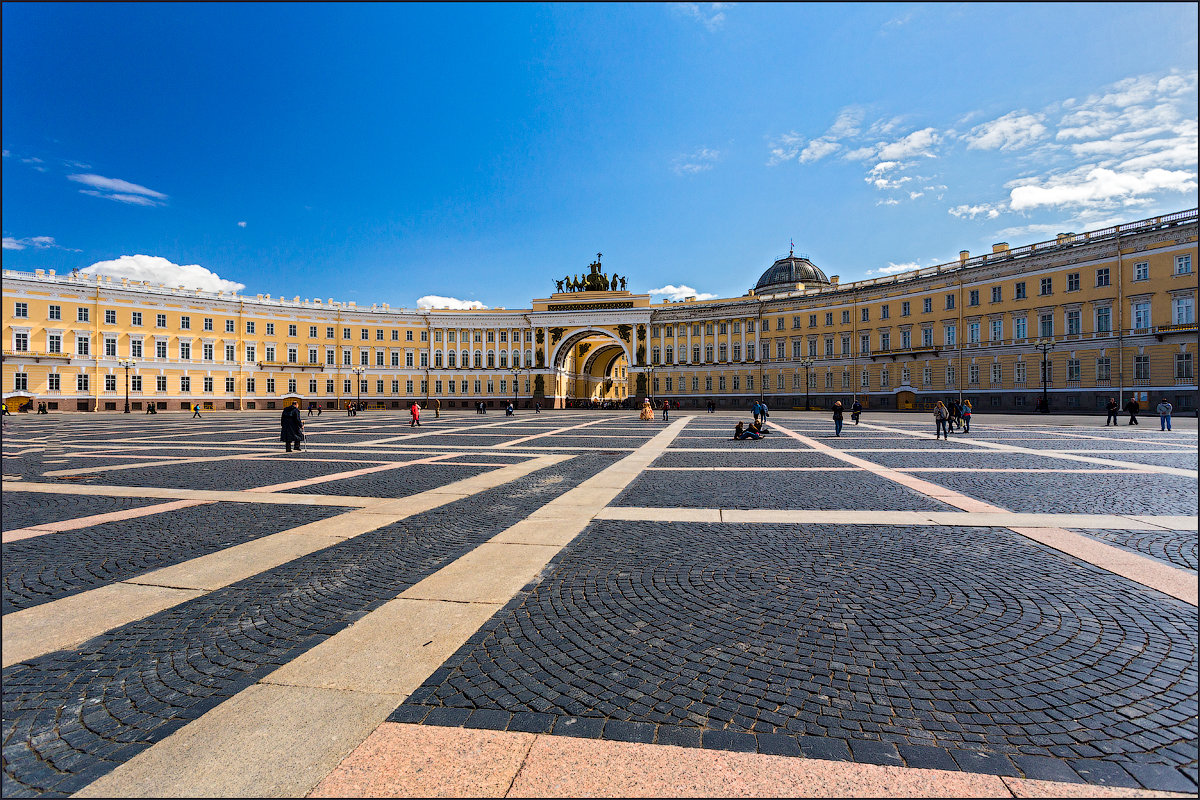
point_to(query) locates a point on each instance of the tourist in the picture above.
(855, 410)
(508, 411)
(291, 427)
(437, 408)
(666, 407)
(758, 428)
(647, 411)
(1133, 407)
(966, 415)
(740, 432)
(837, 418)
(4, 407)
(941, 418)
(537, 408)
(196, 411)
(1164, 414)
(1112, 408)
(415, 413)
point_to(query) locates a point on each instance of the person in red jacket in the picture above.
(416, 416)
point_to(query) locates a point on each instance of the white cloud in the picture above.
(700, 161)
(36, 242)
(1102, 186)
(847, 124)
(890, 201)
(680, 292)
(892, 269)
(917, 143)
(784, 148)
(818, 149)
(118, 190)
(711, 18)
(241, 224)
(437, 301)
(157, 269)
(971, 212)
(1009, 132)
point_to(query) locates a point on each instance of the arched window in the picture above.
(503, 359)
(450, 359)
(437, 359)
(529, 358)
(516, 358)
(478, 359)
(491, 360)
(466, 359)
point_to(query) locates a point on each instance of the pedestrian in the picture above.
(740, 432)
(311, 408)
(941, 419)
(763, 410)
(1164, 414)
(855, 411)
(756, 410)
(966, 415)
(437, 408)
(196, 411)
(537, 408)
(4, 407)
(666, 407)
(647, 411)
(955, 414)
(1133, 407)
(508, 412)
(415, 412)
(837, 418)
(291, 427)
(318, 411)
(1112, 408)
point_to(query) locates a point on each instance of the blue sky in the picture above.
(385, 153)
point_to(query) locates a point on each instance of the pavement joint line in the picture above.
(506, 445)
(395, 624)
(337, 476)
(63, 623)
(97, 519)
(138, 465)
(229, 496)
(1008, 448)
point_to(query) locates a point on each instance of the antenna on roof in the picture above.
(791, 247)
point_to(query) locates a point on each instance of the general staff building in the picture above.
(1078, 319)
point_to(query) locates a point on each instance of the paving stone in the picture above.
(31, 509)
(1178, 548)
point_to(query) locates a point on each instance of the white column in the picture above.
(742, 323)
(689, 344)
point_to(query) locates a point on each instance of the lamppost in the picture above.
(126, 363)
(358, 373)
(806, 363)
(516, 373)
(1045, 345)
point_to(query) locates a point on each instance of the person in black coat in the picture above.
(291, 427)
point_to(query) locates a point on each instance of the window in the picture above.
(695, 384)
(185, 383)
(1019, 291)
(927, 337)
(885, 311)
(135, 383)
(708, 381)
(1046, 286)
(83, 345)
(208, 323)
(708, 329)
(1183, 365)
(866, 315)
(1019, 372)
(364, 358)
(292, 330)
(949, 302)
(997, 326)
(905, 340)
(312, 355)
(829, 347)
(865, 344)
(293, 356)
(845, 345)
(229, 326)
(346, 335)
(1103, 320)
(250, 326)
(379, 334)
(230, 388)
(1183, 265)
(1046, 326)
(185, 351)
(1073, 369)
(81, 382)
(1073, 282)
(1074, 322)
(708, 352)
(110, 316)
(696, 353)
(885, 377)
(905, 309)
(249, 354)
(951, 375)
(56, 313)
(1102, 277)
(185, 323)
(230, 353)
(1103, 369)
(312, 334)
(845, 317)
(160, 383)
(997, 372)
(973, 297)
(208, 384)
(82, 315)
(973, 335)
(951, 334)
(54, 343)
(329, 386)
(1183, 310)
(1141, 271)
(866, 379)
(997, 294)
(721, 383)
(1141, 315)
(110, 347)
(927, 305)
(973, 374)
(270, 386)
(812, 320)
(885, 341)
(829, 318)
(1141, 368)
(270, 329)
(21, 341)
(1019, 328)
(329, 333)
(135, 318)
(750, 351)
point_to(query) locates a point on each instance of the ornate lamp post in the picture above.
(806, 363)
(1045, 345)
(126, 363)
(516, 373)
(358, 373)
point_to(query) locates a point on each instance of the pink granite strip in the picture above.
(97, 519)
(550, 433)
(354, 473)
(948, 496)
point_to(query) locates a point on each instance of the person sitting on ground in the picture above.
(759, 428)
(741, 432)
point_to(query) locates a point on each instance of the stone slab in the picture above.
(491, 573)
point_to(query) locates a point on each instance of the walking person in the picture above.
(1164, 414)
(666, 408)
(1112, 408)
(855, 411)
(941, 419)
(437, 408)
(966, 415)
(415, 412)
(196, 411)
(1133, 407)
(837, 418)
(291, 427)
(537, 408)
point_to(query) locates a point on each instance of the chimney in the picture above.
(963, 255)
(1066, 238)
(1000, 247)
(833, 279)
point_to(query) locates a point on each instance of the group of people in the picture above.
(314, 407)
(352, 408)
(839, 411)
(1133, 408)
(947, 417)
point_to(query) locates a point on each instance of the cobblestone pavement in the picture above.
(949, 646)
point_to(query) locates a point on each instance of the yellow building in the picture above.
(1110, 312)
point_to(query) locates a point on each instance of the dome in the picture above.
(785, 273)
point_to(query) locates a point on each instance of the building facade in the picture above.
(1079, 319)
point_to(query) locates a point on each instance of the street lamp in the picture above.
(516, 373)
(126, 363)
(1045, 345)
(358, 373)
(806, 363)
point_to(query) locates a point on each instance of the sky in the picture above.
(460, 154)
